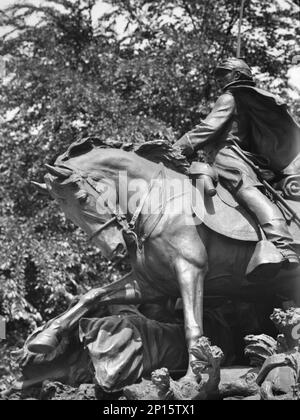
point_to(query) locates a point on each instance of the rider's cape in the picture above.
(274, 131)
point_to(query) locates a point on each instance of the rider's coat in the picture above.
(258, 122)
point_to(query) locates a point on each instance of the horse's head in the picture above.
(84, 201)
(86, 178)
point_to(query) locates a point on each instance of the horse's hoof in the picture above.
(44, 343)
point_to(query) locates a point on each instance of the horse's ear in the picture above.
(59, 171)
(41, 187)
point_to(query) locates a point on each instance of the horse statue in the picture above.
(178, 249)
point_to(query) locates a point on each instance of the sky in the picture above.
(100, 8)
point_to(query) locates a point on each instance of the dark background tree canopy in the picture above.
(67, 78)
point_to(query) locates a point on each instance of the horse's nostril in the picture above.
(119, 252)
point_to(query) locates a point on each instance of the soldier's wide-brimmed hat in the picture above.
(235, 64)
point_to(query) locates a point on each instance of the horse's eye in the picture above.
(83, 200)
(100, 188)
(82, 197)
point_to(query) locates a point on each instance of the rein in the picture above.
(129, 228)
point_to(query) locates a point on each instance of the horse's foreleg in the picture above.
(191, 281)
(128, 290)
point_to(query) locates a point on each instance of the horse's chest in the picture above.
(156, 267)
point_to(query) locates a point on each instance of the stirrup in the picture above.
(291, 259)
(265, 263)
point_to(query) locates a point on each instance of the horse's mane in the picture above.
(160, 151)
(157, 151)
(81, 147)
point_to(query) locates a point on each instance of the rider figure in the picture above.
(259, 125)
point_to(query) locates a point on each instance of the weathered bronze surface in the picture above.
(171, 256)
(222, 237)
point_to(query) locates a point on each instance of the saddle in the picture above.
(225, 216)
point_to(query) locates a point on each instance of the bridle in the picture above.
(129, 228)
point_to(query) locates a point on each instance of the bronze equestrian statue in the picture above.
(173, 253)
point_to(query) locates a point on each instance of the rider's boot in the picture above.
(272, 223)
(277, 232)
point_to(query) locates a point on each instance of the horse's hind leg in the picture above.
(191, 281)
(128, 290)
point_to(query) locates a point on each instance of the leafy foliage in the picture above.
(66, 79)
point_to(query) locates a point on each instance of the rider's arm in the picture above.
(214, 128)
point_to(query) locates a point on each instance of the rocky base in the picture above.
(273, 374)
(58, 391)
(245, 388)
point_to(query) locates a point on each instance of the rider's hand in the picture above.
(267, 175)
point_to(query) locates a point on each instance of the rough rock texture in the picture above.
(58, 391)
(204, 385)
(239, 382)
(259, 348)
(279, 375)
(236, 382)
(288, 324)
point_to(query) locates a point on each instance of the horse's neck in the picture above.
(132, 176)
(110, 163)
(135, 167)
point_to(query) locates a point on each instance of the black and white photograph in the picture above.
(149, 203)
